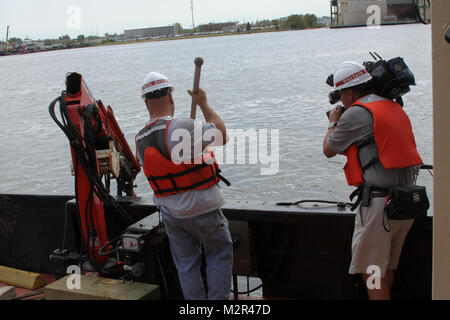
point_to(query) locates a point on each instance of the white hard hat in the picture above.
(350, 74)
(154, 81)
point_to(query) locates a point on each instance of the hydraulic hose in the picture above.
(100, 250)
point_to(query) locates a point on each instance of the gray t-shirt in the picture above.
(355, 125)
(193, 202)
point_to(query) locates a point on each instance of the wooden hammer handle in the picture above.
(198, 68)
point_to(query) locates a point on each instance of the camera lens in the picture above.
(334, 96)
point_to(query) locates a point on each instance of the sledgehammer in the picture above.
(198, 68)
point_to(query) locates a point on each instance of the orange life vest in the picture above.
(393, 136)
(166, 177)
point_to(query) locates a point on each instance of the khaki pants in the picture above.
(372, 245)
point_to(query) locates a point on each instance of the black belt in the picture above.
(365, 194)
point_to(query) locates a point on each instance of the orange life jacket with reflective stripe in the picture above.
(166, 177)
(393, 136)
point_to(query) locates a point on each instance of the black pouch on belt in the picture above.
(406, 202)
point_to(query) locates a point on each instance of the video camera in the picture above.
(333, 96)
(390, 79)
(329, 111)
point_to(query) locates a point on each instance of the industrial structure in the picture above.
(409, 9)
(155, 32)
(214, 27)
(365, 12)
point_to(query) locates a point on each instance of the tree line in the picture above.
(292, 22)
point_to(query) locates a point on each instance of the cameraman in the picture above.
(375, 135)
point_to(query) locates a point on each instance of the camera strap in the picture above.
(362, 144)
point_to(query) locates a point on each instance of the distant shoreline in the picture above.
(207, 35)
(198, 36)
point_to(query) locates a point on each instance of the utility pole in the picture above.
(192, 11)
(7, 38)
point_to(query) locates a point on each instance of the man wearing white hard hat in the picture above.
(181, 169)
(375, 135)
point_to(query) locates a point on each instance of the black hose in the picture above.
(339, 204)
(89, 226)
(100, 250)
(275, 269)
(83, 247)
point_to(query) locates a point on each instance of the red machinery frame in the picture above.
(78, 106)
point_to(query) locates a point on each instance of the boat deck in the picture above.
(298, 252)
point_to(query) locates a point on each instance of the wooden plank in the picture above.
(441, 150)
(7, 293)
(95, 288)
(20, 278)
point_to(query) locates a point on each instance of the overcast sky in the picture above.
(41, 19)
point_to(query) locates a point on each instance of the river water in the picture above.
(271, 83)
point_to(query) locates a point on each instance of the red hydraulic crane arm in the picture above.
(99, 149)
(123, 146)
